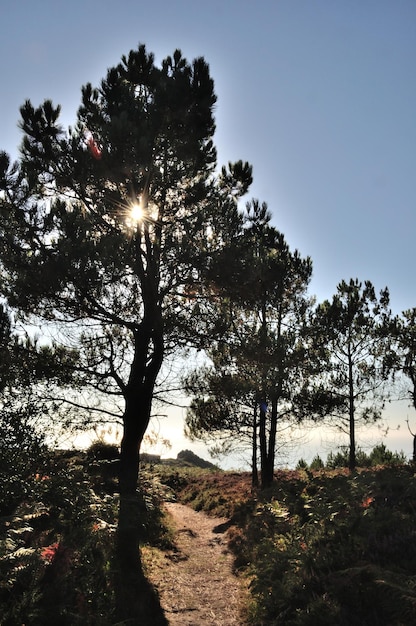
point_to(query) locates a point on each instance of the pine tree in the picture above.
(259, 362)
(104, 235)
(351, 332)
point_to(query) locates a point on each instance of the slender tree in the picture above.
(351, 333)
(405, 354)
(403, 360)
(262, 350)
(224, 405)
(104, 236)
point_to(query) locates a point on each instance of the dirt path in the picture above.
(195, 581)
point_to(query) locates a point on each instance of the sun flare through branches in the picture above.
(136, 213)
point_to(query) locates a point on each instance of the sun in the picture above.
(136, 212)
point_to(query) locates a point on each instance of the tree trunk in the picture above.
(137, 601)
(254, 470)
(272, 443)
(266, 459)
(136, 419)
(352, 461)
(268, 472)
(263, 445)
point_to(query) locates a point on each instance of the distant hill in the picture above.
(190, 457)
(185, 458)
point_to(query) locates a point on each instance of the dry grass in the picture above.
(195, 579)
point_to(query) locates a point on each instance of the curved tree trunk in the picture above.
(137, 602)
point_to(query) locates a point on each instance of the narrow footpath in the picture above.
(195, 581)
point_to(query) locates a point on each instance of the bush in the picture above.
(56, 554)
(341, 552)
(22, 457)
(57, 548)
(102, 451)
(317, 463)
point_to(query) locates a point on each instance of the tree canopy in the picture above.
(258, 363)
(104, 232)
(352, 340)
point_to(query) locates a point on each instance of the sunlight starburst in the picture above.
(136, 213)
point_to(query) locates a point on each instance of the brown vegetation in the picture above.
(195, 578)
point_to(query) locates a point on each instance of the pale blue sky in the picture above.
(319, 95)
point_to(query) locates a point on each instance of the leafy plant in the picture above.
(341, 552)
(57, 547)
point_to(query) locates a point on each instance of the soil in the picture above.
(195, 580)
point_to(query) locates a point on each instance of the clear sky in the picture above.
(319, 95)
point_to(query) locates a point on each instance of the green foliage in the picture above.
(259, 358)
(342, 458)
(22, 455)
(403, 360)
(333, 548)
(119, 290)
(114, 288)
(316, 463)
(379, 455)
(64, 574)
(302, 464)
(213, 491)
(57, 546)
(102, 451)
(320, 548)
(155, 127)
(352, 343)
(5, 340)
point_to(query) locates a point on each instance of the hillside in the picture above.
(318, 548)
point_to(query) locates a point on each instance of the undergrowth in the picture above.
(321, 548)
(57, 545)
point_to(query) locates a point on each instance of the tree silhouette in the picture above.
(104, 236)
(259, 361)
(351, 332)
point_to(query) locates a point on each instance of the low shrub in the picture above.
(57, 547)
(342, 552)
(102, 451)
